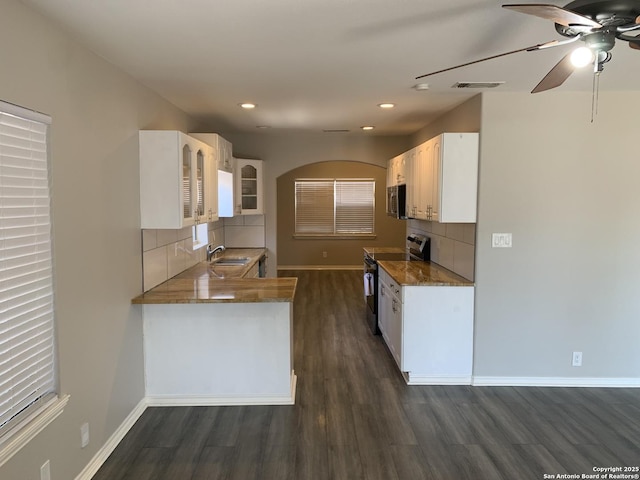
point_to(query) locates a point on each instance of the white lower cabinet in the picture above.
(390, 314)
(429, 330)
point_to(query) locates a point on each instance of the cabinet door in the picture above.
(211, 186)
(226, 155)
(391, 172)
(412, 182)
(384, 306)
(249, 198)
(200, 182)
(433, 213)
(422, 176)
(167, 179)
(395, 330)
(457, 177)
(205, 183)
(189, 189)
(401, 169)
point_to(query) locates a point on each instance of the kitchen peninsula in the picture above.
(212, 337)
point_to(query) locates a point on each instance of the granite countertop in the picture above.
(208, 283)
(422, 274)
(374, 250)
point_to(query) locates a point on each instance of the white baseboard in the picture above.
(223, 401)
(556, 382)
(319, 267)
(417, 379)
(101, 456)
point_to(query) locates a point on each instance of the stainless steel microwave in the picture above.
(397, 201)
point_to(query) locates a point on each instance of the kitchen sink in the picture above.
(230, 261)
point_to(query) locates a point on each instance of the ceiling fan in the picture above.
(598, 23)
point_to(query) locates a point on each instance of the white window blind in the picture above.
(334, 207)
(27, 351)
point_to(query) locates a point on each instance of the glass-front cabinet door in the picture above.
(200, 182)
(249, 199)
(187, 184)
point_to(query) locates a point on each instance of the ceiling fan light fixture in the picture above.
(581, 57)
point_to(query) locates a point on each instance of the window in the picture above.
(200, 235)
(27, 347)
(334, 207)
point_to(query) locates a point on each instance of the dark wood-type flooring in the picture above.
(355, 418)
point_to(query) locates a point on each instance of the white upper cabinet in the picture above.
(455, 178)
(223, 161)
(222, 149)
(249, 187)
(442, 183)
(177, 188)
(396, 170)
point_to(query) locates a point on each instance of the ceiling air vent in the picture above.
(335, 130)
(476, 84)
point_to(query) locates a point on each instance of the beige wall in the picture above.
(568, 191)
(464, 118)
(308, 252)
(97, 111)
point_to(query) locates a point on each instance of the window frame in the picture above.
(20, 428)
(335, 232)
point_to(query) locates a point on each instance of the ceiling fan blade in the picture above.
(554, 13)
(532, 48)
(557, 75)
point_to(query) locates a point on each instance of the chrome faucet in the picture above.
(212, 251)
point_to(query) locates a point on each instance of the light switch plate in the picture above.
(501, 240)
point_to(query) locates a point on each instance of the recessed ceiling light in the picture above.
(368, 127)
(421, 86)
(248, 106)
(386, 105)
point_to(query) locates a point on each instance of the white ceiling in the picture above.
(321, 64)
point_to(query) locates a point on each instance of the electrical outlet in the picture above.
(84, 435)
(45, 471)
(324, 254)
(576, 360)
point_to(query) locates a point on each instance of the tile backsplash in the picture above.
(452, 244)
(166, 253)
(245, 231)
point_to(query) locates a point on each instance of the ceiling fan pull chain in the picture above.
(595, 92)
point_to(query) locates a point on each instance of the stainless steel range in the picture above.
(418, 248)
